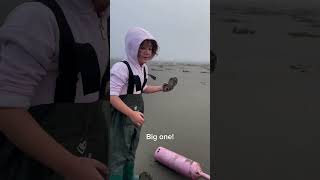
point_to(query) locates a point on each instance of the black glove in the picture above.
(170, 85)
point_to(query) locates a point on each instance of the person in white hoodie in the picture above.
(53, 55)
(128, 80)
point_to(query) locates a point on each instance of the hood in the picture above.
(134, 37)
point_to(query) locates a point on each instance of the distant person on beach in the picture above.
(53, 57)
(128, 80)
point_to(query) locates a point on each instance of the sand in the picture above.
(266, 99)
(184, 112)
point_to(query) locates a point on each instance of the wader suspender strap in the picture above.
(106, 75)
(68, 67)
(132, 81)
(144, 79)
(105, 79)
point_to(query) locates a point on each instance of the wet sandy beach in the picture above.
(266, 94)
(184, 112)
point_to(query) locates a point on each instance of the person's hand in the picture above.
(86, 169)
(165, 87)
(137, 118)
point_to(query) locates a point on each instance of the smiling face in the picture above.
(147, 50)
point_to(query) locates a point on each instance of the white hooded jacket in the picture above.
(119, 74)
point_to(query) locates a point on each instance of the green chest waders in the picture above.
(124, 135)
(80, 127)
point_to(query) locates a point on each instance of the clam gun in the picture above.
(179, 163)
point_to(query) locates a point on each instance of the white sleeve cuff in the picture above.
(114, 93)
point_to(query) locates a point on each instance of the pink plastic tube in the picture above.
(179, 163)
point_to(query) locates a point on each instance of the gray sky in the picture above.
(181, 27)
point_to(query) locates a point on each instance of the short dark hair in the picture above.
(154, 44)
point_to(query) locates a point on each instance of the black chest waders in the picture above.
(124, 135)
(80, 127)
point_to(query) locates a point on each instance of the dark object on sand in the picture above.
(145, 176)
(152, 76)
(303, 34)
(237, 30)
(170, 85)
(315, 25)
(156, 69)
(213, 60)
(185, 71)
(304, 19)
(301, 67)
(230, 20)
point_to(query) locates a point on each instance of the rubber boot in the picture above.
(117, 174)
(129, 173)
